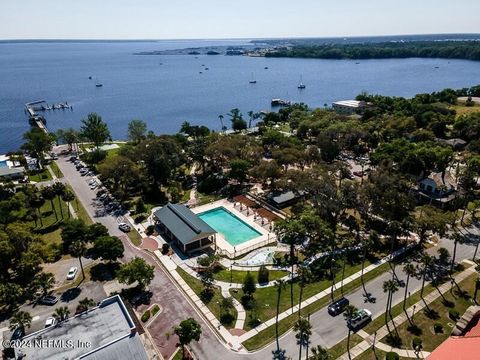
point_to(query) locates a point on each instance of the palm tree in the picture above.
(279, 285)
(348, 314)
(49, 194)
(304, 277)
(427, 261)
(390, 287)
(59, 190)
(45, 281)
(220, 117)
(84, 305)
(37, 201)
(78, 249)
(20, 320)
(457, 238)
(410, 270)
(68, 197)
(303, 330)
(61, 313)
(319, 353)
(367, 244)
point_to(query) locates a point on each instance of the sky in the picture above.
(195, 19)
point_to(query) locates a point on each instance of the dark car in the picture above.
(48, 300)
(338, 306)
(17, 334)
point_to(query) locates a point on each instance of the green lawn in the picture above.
(341, 348)
(268, 335)
(79, 209)
(56, 170)
(43, 175)
(430, 339)
(214, 304)
(48, 218)
(178, 355)
(238, 276)
(371, 355)
(135, 237)
(205, 199)
(267, 297)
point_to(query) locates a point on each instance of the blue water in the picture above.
(3, 164)
(234, 230)
(138, 87)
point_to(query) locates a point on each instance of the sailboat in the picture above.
(301, 85)
(97, 83)
(253, 81)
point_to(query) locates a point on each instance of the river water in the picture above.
(166, 90)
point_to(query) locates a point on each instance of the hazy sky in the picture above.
(159, 19)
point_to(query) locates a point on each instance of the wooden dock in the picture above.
(34, 118)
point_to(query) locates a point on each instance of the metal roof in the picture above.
(104, 332)
(185, 225)
(4, 171)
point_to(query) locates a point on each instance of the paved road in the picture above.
(327, 330)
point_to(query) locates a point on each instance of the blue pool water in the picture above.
(234, 230)
(3, 164)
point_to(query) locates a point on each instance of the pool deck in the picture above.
(262, 240)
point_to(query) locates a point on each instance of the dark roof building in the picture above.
(284, 199)
(179, 224)
(105, 332)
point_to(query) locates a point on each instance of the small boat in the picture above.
(301, 85)
(206, 68)
(98, 84)
(89, 78)
(280, 102)
(266, 67)
(357, 63)
(200, 72)
(437, 67)
(253, 81)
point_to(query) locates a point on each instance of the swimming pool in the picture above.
(234, 230)
(3, 164)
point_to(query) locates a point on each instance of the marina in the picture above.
(39, 121)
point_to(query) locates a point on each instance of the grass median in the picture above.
(268, 335)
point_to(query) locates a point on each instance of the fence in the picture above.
(237, 253)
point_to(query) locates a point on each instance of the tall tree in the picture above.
(279, 286)
(410, 270)
(45, 281)
(349, 313)
(95, 130)
(137, 130)
(187, 331)
(68, 196)
(78, 249)
(109, 248)
(304, 278)
(37, 143)
(319, 353)
(137, 270)
(20, 320)
(457, 238)
(389, 287)
(48, 193)
(303, 330)
(61, 314)
(59, 189)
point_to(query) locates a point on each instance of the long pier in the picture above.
(32, 109)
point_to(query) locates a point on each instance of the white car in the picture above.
(360, 318)
(124, 227)
(72, 273)
(93, 186)
(51, 321)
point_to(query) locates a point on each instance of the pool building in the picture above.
(179, 224)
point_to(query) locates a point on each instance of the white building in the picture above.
(349, 107)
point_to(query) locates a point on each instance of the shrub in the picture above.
(417, 343)
(140, 218)
(453, 314)
(146, 315)
(140, 206)
(155, 309)
(263, 275)
(438, 328)
(150, 230)
(165, 249)
(392, 356)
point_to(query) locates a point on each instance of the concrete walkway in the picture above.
(400, 319)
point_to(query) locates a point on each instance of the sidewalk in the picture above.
(400, 319)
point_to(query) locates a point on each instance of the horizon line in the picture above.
(234, 38)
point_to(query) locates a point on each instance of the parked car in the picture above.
(338, 306)
(79, 166)
(72, 273)
(124, 227)
(73, 158)
(51, 321)
(83, 171)
(102, 196)
(93, 186)
(360, 318)
(48, 300)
